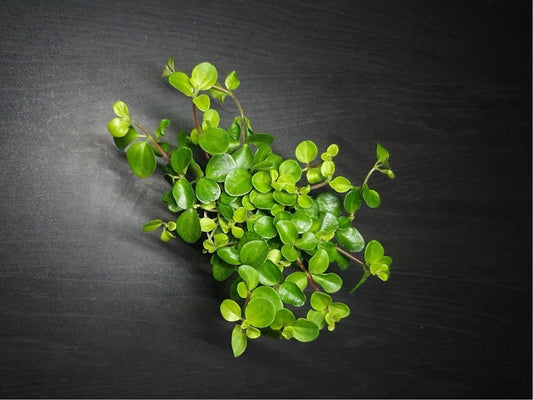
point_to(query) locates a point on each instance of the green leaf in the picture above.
(119, 127)
(374, 252)
(242, 289)
(152, 225)
(319, 263)
(291, 294)
(253, 253)
(262, 153)
(211, 118)
(302, 221)
(183, 193)
(317, 317)
(232, 82)
(290, 167)
(188, 226)
(328, 222)
(230, 310)
(181, 82)
(204, 76)
(239, 215)
(260, 312)
(284, 198)
(352, 201)
(238, 341)
(299, 278)
(261, 181)
(289, 252)
(266, 292)
(160, 131)
(243, 157)
(264, 201)
(306, 151)
(269, 274)
(327, 169)
(202, 102)
(380, 269)
(141, 159)
(314, 175)
(230, 255)
(319, 300)
(264, 227)
(220, 270)
(350, 239)
(305, 201)
(371, 197)
(180, 159)
(339, 309)
(249, 275)
(284, 317)
(166, 235)
(382, 154)
(238, 182)
(330, 282)
(340, 184)
(124, 141)
(304, 330)
(287, 231)
(214, 140)
(218, 167)
(121, 109)
(260, 138)
(329, 202)
(207, 190)
(307, 242)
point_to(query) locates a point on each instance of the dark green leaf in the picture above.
(183, 193)
(328, 222)
(352, 201)
(291, 294)
(329, 202)
(218, 167)
(302, 221)
(260, 138)
(188, 226)
(124, 141)
(371, 197)
(350, 239)
(284, 198)
(220, 269)
(253, 253)
(180, 159)
(307, 242)
(141, 159)
(264, 226)
(207, 190)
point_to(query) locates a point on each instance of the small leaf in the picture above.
(314, 175)
(266, 292)
(319, 263)
(289, 252)
(290, 167)
(207, 190)
(181, 82)
(371, 197)
(264, 226)
(152, 225)
(382, 154)
(232, 82)
(202, 102)
(302, 221)
(124, 141)
(352, 201)
(327, 169)
(238, 182)
(229, 255)
(188, 226)
(319, 300)
(220, 270)
(350, 239)
(261, 181)
(260, 138)
(330, 282)
(299, 278)
(160, 131)
(328, 223)
(307, 242)
(239, 215)
(183, 193)
(306, 151)
(249, 275)
(329, 202)
(218, 167)
(252, 333)
(238, 341)
(269, 274)
(380, 269)
(284, 317)
(141, 159)
(304, 330)
(214, 140)
(291, 294)
(230, 310)
(374, 252)
(340, 184)
(119, 127)
(243, 157)
(121, 109)
(180, 159)
(287, 231)
(284, 198)
(253, 253)
(204, 76)
(260, 312)
(305, 201)
(166, 235)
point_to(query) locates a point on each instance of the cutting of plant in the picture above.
(282, 230)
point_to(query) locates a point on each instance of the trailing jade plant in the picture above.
(261, 217)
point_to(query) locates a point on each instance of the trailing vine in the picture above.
(259, 215)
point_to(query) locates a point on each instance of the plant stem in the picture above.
(309, 277)
(195, 117)
(319, 185)
(341, 250)
(157, 145)
(239, 106)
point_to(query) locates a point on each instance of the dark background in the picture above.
(92, 307)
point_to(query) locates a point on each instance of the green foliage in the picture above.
(257, 214)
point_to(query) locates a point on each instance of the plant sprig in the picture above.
(259, 215)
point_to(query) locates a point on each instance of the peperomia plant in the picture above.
(260, 216)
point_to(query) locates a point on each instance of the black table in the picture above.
(92, 307)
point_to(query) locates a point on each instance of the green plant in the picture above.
(256, 212)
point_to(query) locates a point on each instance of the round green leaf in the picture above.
(204, 76)
(302, 221)
(305, 201)
(330, 282)
(238, 341)
(180, 159)
(188, 226)
(352, 201)
(253, 253)
(289, 252)
(214, 140)
(291, 294)
(121, 109)
(284, 317)
(287, 231)
(290, 167)
(313, 175)
(374, 252)
(249, 275)
(350, 239)
(319, 262)
(253, 333)
(264, 201)
(306, 151)
(340, 309)
(220, 270)
(261, 181)
(230, 310)
(238, 182)
(260, 312)
(371, 197)
(229, 254)
(329, 202)
(287, 199)
(380, 269)
(304, 330)
(266, 292)
(319, 300)
(207, 190)
(218, 167)
(264, 227)
(183, 193)
(327, 169)
(340, 184)
(269, 274)
(141, 159)
(307, 242)
(124, 141)
(328, 223)
(119, 127)
(202, 102)
(181, 82)
(299, 278)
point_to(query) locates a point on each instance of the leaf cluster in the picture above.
(259, 216)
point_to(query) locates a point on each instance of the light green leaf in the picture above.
(124, 141)
(232, 82)
(202, 102)
(229, 254)
(180, 159)
(260, 138)
(287, 231)
(319, 300)
(238, 182)
(252, 333)
(284, 317)
(261, 181)
(183, 193)
(299, 278)
(319, 263)
(243, 157)
(380, 269)
(302, 221)
(290, 167)
(204, 76)
(291, 294)
(306, 151)
(374, 252)
(188, 226)
(304, 330)
(266, 292)
(214, 140)
(181, 82)
(289, 252)
(239, 215)
(340, 184)
(249, 275)
(211, 118)
(305, 201)
(339, 309)
(371, 197)
(141, 159)
(230, 310)
(264, 227)
(269, 274)
(330, 282)
(119, 127)
(238, 341)
(382, 154)
(218, 167)
(207, 224)
(260, 312)
(317, 317)
(314, 175)
(121, 109)
(207, 190)
(166, 235)
(152, 225)
(327, 169)
(307, 242)
(253, 253)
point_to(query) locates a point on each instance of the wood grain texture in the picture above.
(92, 307)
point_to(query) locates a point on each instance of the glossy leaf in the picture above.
(266, 292)
(327, 169)
(352, 201)
(290, 167)
(141, 159)
(202, 102)
(232, 82)
(319, 300)
(284, 198)
(204, 76)
(253, 253)
(211, 118)
(319, 263)
(152, 225)
(371, 198)
(269, 274)
(291, 294)
(238, 341)
(380, 269)
(249, 275)
(264, 226)
(238, 182)
(214, 140)
(207, 190)
(340, 184)
(287, 231)
(330, 282)
(350, 239)
(302, 221)
(230, 310)
(304, 330)
(243, 157)
(306, 151)
(374, 252)
(260, 138)
(284, 317)
(124, 141)
(229, 255)
(299, 278)
(183, 193)
(307, 242)
(261, 181)
(181, 82)
(180, 159)
(260, 312)
(121, 109)
(218, 167)
(382, 154)
(188, 226)
(329, 202)
(289, 252)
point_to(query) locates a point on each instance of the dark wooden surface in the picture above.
(92, 307)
